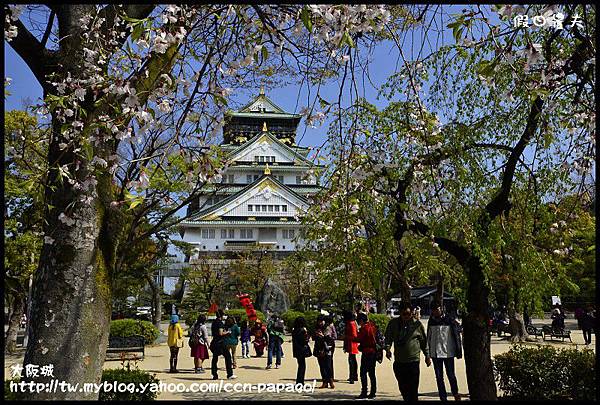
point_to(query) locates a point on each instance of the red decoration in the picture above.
(247, 303)
(213, 308)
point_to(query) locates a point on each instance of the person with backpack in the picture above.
(367, 345)
(174, 341)
(323, 351)
(350, 345)
(444, 341)
(300, 348)
(409, 339)
(198, 343)
(275, 331)
(217, 346)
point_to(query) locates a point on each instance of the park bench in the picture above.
(129, 344)
(556, 333)
(532, 330)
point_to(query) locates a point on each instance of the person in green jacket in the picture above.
(231, 341)
(409, 339)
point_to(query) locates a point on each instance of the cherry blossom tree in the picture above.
(133, 95)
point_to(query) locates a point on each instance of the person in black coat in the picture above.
(300, 347)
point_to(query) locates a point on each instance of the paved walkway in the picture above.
(253, 371)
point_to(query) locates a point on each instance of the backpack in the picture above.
(379, 344)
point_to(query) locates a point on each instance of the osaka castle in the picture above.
(263, 192)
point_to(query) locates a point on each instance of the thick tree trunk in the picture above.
(17, 308)
(518, 331)
(476, 342)
(72, 292)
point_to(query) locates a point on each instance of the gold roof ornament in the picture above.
(267, 170)
(262, 89)
(264, 126)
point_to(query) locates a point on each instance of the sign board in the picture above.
(556, 300)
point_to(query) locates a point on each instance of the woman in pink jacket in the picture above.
(350, 346)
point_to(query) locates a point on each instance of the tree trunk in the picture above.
(518, 331)
(477, 350)
(17, 309)
(156, 301)
(72, 291)
(439, 292)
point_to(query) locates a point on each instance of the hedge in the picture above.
(545, 373)
(310, 317)
(122, 375)
(129, 327)
(8, 394)
(381, 320)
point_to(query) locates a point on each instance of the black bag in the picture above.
(216, 346)
(306, 352)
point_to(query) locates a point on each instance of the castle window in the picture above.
(264, 208)
(245, 233)
(284, 208)
(277, 208)
(298, 180)
(250, 207)
(248, 178)
(270, 208)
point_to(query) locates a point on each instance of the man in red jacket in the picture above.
(368, 346)
(350, 346)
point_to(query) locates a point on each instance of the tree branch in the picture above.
(33, 53)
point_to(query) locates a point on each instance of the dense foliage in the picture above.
(130, 327)
(546, 373)
(128, 376)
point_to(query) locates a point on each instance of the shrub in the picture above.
(130, 327)
(310, 317)
(241, 313)
(545, 373)
(8, 394)
(381, 320)
(122, 375)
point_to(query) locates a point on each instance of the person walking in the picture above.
(588, 321)
(323, 351)
(409, 339)
(332, 333)
(275, 332)
(444, 342)
(245, 339)
(174, 341)
(367, 344)
(259, 332)
(231, 341)
(217, 346)
(198, 343)
(350, 345)
(300, 347)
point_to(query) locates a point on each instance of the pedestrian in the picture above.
(332, 333)
(259, 332)
(300, 347)
(367, 344)
(245, 339)
(409, 339)
(199, 343)
(232, 339)
(558, 319)
(444, 342)
(275, 332)
(417, 313)
(174, 341)
(350, 345)
(579, 313)
(217, 346)
(588, 321)
(323, 351)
